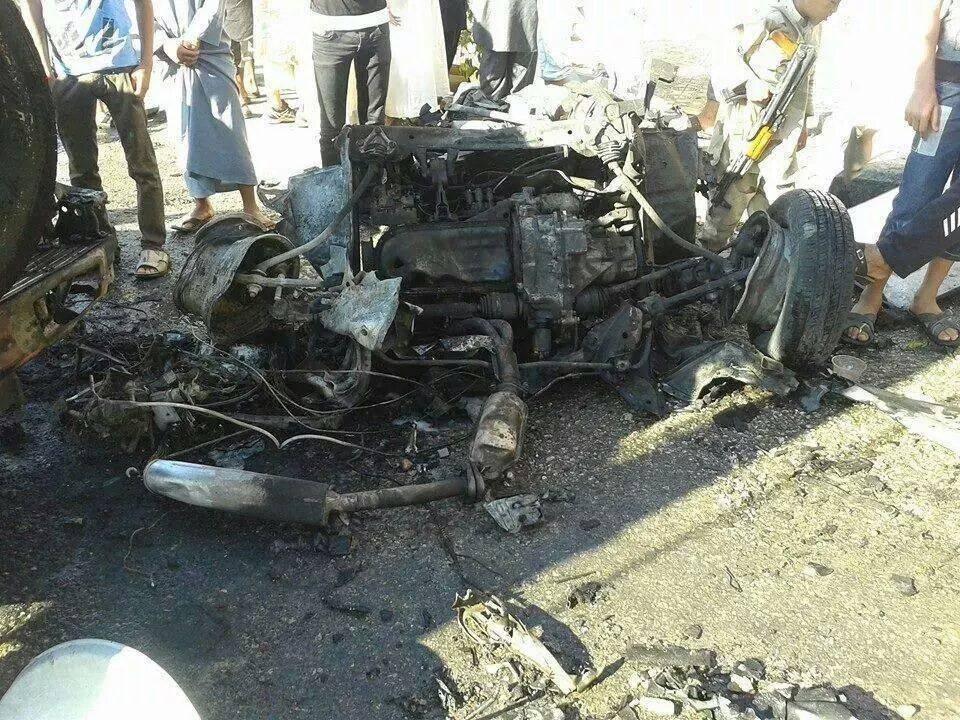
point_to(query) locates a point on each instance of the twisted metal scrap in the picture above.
(487, 622)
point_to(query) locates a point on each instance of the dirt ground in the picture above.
(710, 517)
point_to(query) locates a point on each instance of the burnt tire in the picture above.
(28, 145)
(819, 291)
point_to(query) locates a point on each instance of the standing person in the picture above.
(506, 33)
(204, 108)
(238, 25)
(918, 218)
(751, 64)
(418, 70)
(454, 16)
(89, 53)
(282, 32)
(350, 33)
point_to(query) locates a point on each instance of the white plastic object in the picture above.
(95, 680)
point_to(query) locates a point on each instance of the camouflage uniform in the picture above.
(753, 58)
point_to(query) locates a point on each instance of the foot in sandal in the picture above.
(861, 329)
(152, 264)
(861, 323)
(202, 213)
(941, 327)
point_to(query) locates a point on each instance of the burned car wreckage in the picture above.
(525, 252)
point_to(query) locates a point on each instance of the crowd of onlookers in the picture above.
(363, 60)
(369, 60)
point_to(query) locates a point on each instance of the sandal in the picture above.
(865, 324)
(935, 323)
(189, 224)
(153, 264)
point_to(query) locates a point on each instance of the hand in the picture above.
(923, 110)
(394, 19)
(187, 55)
(141, 79)
(758, 91)
(802, 140)
(180, 53)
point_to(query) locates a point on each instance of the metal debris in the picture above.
(905, 585)
(271, 497)
(517, 512)
(585, 594)
(816, 570)
(487, 622)
(670, 656)
(732, 580)
(658, 706)
(364, 310)
(499, 437)
(848, 367)
(237, 456)
(713, 362)
(937, 423)
(740, 693)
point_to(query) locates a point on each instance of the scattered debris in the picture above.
(940, 424)
(236, 457)
(658, 706)
(813, 569)
(907, 711)
(671, 655)
(905, 585)
(487, 622)
(450, 699)
(732, 580)
(517, 512)
(739, 693)
(693, 632)
(848, 367)
(585, 594)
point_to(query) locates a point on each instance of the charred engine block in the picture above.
(533, 258)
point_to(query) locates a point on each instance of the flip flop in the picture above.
(189, 224)
(935, 323)
(153, 264)
(866, 324)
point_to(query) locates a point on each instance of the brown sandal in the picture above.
(189, 224)
(153, 264)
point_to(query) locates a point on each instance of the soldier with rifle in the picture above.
(764, 85)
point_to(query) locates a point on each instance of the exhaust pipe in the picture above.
(286, 499)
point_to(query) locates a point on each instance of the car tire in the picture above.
(819, 246)
(28, 144)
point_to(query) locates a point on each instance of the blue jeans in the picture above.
(925, 223)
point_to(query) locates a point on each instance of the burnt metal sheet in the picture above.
(365, 311)
(671, 167)
(719, 360)
(411, 139)
(206, 284)
(33, 314)
(447, 253)
(315, 197)
(47, 263)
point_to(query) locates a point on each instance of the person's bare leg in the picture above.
(251, 207)
(277, 102)
(202, 209)
(871, 299)
(925, 301)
